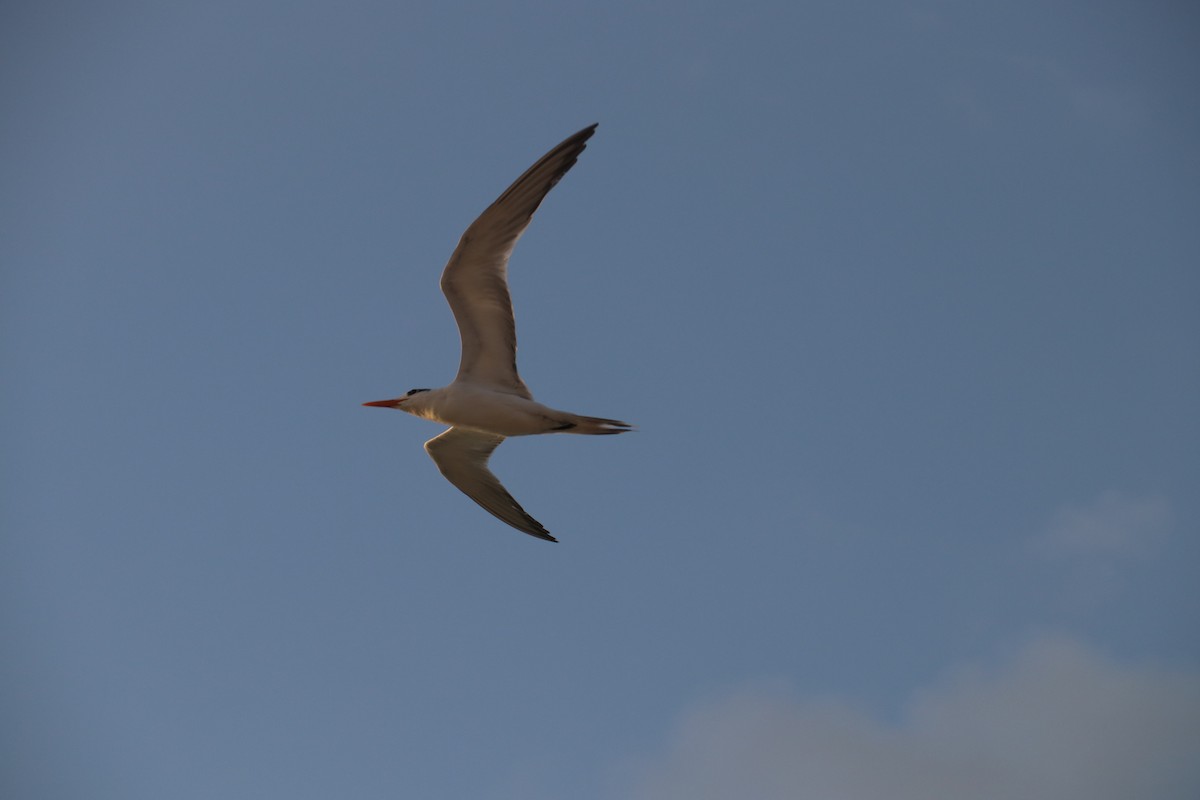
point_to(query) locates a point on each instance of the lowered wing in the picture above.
(462, 457)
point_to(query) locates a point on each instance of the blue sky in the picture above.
(903, 298)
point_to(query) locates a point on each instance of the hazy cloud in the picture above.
(1057, 721)
(1114, 524)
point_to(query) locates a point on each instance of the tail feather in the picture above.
(594, 426)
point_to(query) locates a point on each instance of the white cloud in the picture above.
(1114, 524)
(1056, 722)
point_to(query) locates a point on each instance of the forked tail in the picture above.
(594, 426)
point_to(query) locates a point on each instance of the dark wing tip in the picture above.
(534, 528)
(568, 150)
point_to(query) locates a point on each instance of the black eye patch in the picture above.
(411, 392)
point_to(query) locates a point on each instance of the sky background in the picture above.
(903, 297)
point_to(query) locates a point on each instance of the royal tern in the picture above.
(488, 401)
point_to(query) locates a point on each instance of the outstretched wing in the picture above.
(462, 457)
(475, 280)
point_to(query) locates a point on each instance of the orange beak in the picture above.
(387, 403)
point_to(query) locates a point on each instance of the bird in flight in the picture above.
(488, 401)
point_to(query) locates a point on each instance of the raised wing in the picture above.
(462, 457)
(475, 280)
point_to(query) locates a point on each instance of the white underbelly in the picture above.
(493, 412)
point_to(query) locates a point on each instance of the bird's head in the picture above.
(404, 403)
